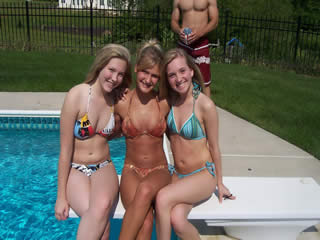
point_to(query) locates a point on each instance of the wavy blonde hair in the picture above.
(149, 55)
(165, 88)
(102, 59)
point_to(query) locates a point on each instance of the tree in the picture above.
(307, 9)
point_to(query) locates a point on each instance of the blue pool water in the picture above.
(28, 161)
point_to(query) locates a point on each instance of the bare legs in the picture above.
(92, 198)
(174, 202)
(138, 195)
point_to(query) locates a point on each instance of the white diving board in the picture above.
(265, 208)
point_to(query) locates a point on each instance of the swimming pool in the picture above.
(28, 187)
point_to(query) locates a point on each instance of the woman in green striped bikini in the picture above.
(193, 134)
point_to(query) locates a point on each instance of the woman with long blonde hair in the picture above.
(145, 169)
(87, 180)
(193, 132)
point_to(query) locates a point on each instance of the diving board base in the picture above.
(263, 230)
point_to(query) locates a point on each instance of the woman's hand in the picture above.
(120, 94)
(224, 193)
(61, 209)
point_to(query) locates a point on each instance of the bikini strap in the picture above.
(194, 103)
(196, 89)
(171, 169)
(211, 168)
(89, 98)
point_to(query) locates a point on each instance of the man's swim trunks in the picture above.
(199, 50)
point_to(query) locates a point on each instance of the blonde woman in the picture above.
(143, 125)
(87, 180)
(193, 132)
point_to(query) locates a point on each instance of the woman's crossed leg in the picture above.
(175, 201)
(138, 195)
(92, 198)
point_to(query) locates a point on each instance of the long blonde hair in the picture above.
(165, 88)
(104, 56)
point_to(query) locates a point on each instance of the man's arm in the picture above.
(213, 14)
(175, 16)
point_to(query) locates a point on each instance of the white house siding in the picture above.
(100, 4)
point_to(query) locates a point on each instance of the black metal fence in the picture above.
(289, 42)
(238, 39)
(46, 26)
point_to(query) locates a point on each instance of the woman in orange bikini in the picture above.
(87, 180)
(145, 170)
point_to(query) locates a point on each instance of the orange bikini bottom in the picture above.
(143, 172)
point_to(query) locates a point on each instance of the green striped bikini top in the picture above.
(191, 129)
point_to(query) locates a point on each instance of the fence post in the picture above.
(91, 26)
(297, 39)
(225, 32)
(158, 23)
(28, 25)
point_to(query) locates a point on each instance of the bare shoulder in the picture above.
(176, 3)
(77, 92)
(205, 103)
(212, 3)
(75, 98)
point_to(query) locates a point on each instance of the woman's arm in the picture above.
(210, 119)
(121, 107)
(69, 113)
(211, 123)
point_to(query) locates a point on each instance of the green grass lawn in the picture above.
(284, 103)
(42, 71)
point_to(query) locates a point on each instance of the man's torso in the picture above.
(194, 13)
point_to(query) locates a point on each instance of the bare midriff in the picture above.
(91, 151)
(145, 152)
(189, 155)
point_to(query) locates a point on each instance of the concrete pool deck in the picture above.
(247, 150)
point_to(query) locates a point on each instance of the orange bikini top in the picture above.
(130, 131)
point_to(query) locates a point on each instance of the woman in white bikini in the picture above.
(87, 180)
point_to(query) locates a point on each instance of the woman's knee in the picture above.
(145, 193)
(178, 219)
(102, 207)
(162, 200)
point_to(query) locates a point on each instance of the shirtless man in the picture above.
(198, 17)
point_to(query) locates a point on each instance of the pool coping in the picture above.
(31, 113)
